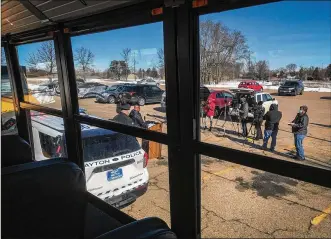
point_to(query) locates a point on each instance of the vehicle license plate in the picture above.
(114, 174)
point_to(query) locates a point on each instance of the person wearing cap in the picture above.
(299, 129)
(123, 115)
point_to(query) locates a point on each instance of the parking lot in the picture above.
(239, 201)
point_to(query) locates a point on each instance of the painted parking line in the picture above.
(218, 173)
(316, 220)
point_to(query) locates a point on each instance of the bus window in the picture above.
(39, 74)
(108, 73)
(48, 136)
(8, 119)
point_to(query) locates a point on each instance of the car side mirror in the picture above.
(273, 99)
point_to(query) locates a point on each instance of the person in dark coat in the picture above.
(272, 119)
(123, 115)
(137, 118)
(258, 119)
(299, 129)
(138, 121)
(243, 114)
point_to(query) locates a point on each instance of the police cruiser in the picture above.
(115, 164)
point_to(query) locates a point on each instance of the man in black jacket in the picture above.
(122, 117)
(136, 117)
(299, 129)
(243, 113)
(272, 118)
(258, 119)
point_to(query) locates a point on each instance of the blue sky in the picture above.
(286, 32)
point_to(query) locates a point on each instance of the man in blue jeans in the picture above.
(272, 118)
(299, 129)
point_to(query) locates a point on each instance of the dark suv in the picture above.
(142, 94)
(112, 93)
(291, 88)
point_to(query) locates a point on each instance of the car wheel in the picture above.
(111, 99)
(141, 101)
(301, 93)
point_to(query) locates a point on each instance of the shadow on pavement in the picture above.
(159, 109)
(267, 184)
(322, 125)
(325, 98)
(244, 141)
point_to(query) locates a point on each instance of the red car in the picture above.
(221, 98)
(250, 84)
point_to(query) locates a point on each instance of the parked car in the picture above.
(142, 94)
(291, 88)
(204, 94)
(222, 98)
(90, 89)
(252, 99)
(115, 164)
(112, 93)
(148, 82)
(250, 84)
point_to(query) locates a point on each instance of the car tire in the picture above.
(301, 93)
(111, 99)
(141, 101)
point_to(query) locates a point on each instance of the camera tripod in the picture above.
(224, 112)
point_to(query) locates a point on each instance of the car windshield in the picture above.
(290, 83)
(106, 146)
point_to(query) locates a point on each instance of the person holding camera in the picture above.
(272, 119)
(258, 119)
(243, 114)
(299, 129)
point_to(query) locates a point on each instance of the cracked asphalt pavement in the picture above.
(241, 202)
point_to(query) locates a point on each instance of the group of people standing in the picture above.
(272, 119)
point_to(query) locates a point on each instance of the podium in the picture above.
(155, 149)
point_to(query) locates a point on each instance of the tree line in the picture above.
(224, 55)
(43, 62)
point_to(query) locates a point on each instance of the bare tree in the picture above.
(220, 50)
(126, 52)
(160, 55)
(46, 55)
(262, 70)
(134, 62)
(32, 62)
(291, 68)
(84, 59)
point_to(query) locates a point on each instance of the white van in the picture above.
(115, 164)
